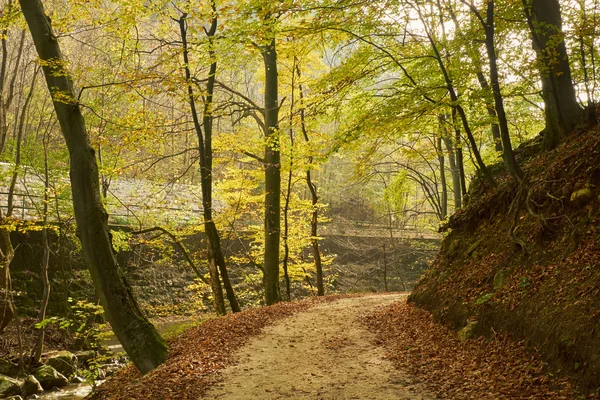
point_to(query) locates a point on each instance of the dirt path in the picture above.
(323, 353)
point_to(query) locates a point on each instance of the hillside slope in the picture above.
(540, 284)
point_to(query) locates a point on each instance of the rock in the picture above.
(500, 278)
(77, 379)
(14, 398)
(49, 377)
(581, 196)
(64, 362)
(8, 368)
(467, 332)
(474, 247)
(9, 386)
(31, 386)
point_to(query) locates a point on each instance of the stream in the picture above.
(78, 391)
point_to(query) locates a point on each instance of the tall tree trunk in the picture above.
(272, 176)
(7, 310)
(286, 230)
(561, 108)
(489, 105)
(314, 197)
(454, 172)
(459, 157)
(455, 101)
(443, 183)
(138, 336)
(216, 259)
(39, 346)
(288, 192)
(509, 157)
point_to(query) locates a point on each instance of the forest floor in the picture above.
(338, 347)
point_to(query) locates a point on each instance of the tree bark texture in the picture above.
(138, 336)
(562, 111)
(272, 176)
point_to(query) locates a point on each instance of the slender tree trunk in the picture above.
(454, 172)
(286, 247)
(7, 310)
(216, 259)
(561, 108)
(138, 336)
(459, 157)
(385, 283)
(454, 97)
(39, 346)
(509, 158)
(443, 183)
(288, 193)
(272, 176)
(314, 197)
(489, 105)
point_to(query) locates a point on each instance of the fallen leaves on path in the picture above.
(495, 368)
(197, 356)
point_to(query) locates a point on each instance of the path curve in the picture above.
(324, 353)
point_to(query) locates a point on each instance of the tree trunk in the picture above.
(443, 183)
(272, 176)
(454, 171)
(216, 259)
(489, 105)
(459, 158)
(561, 108)
(138, 336)
(7, 310)
(456, 106)
(509, 157)
(314, 197)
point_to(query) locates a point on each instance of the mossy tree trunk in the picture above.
(138, 336)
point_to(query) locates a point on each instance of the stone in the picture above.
(9, 386)
(49, 377)
(467, 332)
(474, 247)
(64, 362)
(500, 278)
(581, 196)
(8, 368)
(31, 386)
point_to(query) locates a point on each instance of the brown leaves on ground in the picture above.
(495, 368)
(197, 356)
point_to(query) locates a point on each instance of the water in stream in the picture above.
(78, 391)
(73, 391)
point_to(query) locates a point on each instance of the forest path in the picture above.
(323, 353)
